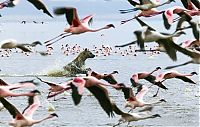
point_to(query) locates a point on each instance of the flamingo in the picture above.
(107, 77)
(37, 3)
(77, 26)
(173, 74)
(129, 117)
(134, 101)
(149, 34)
(145, 5)
(5, 89)
(194, 54)
(25, 118)
(193, 24)
(95, 86)
(11, 43)
(168, 14)
(145, 13)
(190, 44)
(56, 88)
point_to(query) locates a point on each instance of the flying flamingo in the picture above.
(168, 14)
(56, 88)
(145, 5)
(194, 54)
(174, 74)
(11, 43)
(107, 77)
(95, 86)
(25, 118)
(77, 26)
(134, 101)
(190, 44)
(193, 24)
(149, 34)
(5, 89)
(37, 3)
(145, 13)
(129, 117)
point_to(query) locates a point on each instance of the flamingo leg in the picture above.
(127, 11)
(58, 39)
(125, 21)
(126, 44)
(55, 37)
(117, 124)
(176, 19)
(130, 110)
(156, 92)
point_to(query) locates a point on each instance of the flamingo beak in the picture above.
(111, 25)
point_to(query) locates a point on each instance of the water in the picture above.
(181, 108)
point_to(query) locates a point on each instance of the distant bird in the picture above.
(107, 77)
(194, 54)
(11, 43)
(77, 26)
(145, 5)
(134, 101)
(129, 117)
(149, 34)
(56, 88)
(95, 86)
(168, 14)
(5, 89)
(37, 3)
(25, 118)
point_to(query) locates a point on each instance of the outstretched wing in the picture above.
(11, 109)
(101, 95)
(185, 79)
(40, 5)
(3, 83)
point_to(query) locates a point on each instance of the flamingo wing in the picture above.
(133, 2)
(144, 24)
(33, 104)
(110, 79)
(167, 44)
(142, 91)
(185, 79)
(101, 95)
(196, 3)
(3, 83)
(40, 5)
(75, 94)
(150, 78)
(70, 13)
(11, 109)
(185, 3)
(87, 20)
(128, 92)
(48, 83)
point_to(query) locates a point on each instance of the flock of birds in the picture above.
(93, 80)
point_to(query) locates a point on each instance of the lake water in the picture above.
(181, 108)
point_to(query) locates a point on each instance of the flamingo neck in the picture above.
(96, 30)
(46, 118)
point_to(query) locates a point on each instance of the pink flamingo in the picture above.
(134, 101)
(25, 118)
(56, 88)
(5, 89)
(145, 13)
(145, 5)
(190, 43)
(77, 26)
(95, 86)
(107, 77)
(173, 74)
(168, 14)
